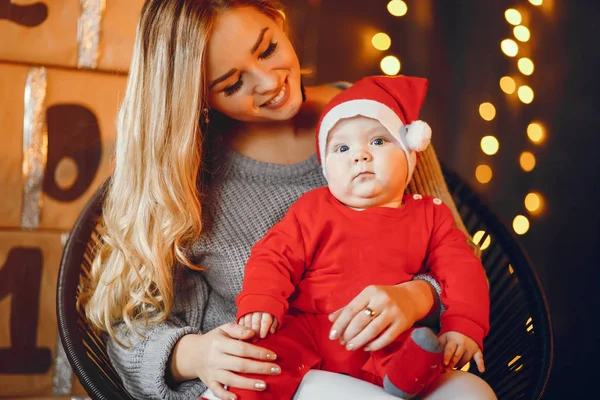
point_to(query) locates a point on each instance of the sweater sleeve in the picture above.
(273, 270)
(143, 364)
(461, 276)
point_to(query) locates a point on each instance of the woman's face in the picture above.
(253, 71)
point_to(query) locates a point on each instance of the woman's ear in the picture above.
(280, 20)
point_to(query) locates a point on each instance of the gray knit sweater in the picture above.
(245, 199)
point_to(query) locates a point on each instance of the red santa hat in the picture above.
(393, 101)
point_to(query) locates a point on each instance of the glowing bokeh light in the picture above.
(508, 85)
(487, 111)
(397, 8)
(390, 65)
(483, 173)
(513, 16)
(381, 41)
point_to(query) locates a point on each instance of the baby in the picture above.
(362, 230)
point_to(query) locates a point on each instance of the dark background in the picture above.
(456, 45)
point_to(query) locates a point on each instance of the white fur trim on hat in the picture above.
(418, 135)
(387, 117)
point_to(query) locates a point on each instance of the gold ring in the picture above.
(370, 312)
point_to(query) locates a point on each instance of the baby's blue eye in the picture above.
(378, 142)
(343, 148)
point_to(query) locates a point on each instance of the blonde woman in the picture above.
(214, 143)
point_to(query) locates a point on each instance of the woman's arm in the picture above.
(433, 316)
(144, 364)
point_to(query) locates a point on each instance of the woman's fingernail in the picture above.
(333, 334)
(260, 385)
(275, 370)
(271, 356)
(350, 346)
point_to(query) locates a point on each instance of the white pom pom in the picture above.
(418, 135)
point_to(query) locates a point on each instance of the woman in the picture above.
(214, 143)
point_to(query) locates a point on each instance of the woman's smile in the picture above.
(279, 99)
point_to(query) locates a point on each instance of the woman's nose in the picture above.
(266, 80)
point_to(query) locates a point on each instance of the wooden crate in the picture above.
(94, 34)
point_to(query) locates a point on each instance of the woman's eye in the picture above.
(233, 88)
(267, 53)
(343, 148)
(378, 142)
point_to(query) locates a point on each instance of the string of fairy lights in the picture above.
(514, 85)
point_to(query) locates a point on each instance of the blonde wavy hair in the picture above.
(152, 210)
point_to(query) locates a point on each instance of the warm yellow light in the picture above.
(487, 111)
(533, 202)
(397, 8)
(525, 66)
(508, 85)
(483, 173)
(535, 132)
(510, 269)
(536, 2)
(527, 161)
(381, 41)
(490, 145)
(521, 224)
(521, 33)
(465, 368)
(390, 65)
(513, 16)
(477, 240)
(509, 47)
(525, 94)
(514, 360)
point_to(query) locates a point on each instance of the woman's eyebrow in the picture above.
(261, 36)
(259, 41)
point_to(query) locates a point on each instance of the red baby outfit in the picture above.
(322, 254)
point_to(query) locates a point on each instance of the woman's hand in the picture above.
(379, 314)
(459, 349)
(218, 356)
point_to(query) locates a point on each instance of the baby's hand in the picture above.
(459, 349)
(260, 322)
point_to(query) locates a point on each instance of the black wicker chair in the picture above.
(518, 348)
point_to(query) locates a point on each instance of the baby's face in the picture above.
(365, 165)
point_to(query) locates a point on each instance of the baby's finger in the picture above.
(466, 357)
(274, 326)
(248, 321)
(443, 340)
(449, 350)
(478, 357)
(256, 321)
(460, 351)
(265, 325)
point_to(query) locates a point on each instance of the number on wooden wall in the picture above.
(21, 276)
(26, 15)
(73, 133)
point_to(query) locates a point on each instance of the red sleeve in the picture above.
(273, 270)
(461, 276)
